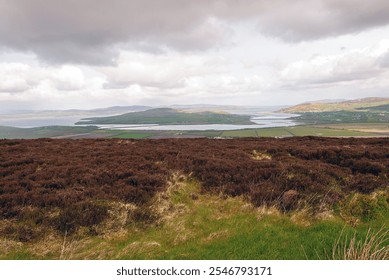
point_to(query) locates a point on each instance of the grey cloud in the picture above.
(91, 31)
(302, 20)
(333, 80)
(86, 31)
(75, 52)
(384, 60)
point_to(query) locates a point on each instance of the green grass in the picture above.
(274, 132)
(240, 133)
(243, 236)
(131, 135)
(23, 254)
(215, 228)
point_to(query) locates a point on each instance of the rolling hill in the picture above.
(168, 116)
(349, 105)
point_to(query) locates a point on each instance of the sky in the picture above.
(85, 54)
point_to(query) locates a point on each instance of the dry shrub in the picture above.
(144, 215)
(21, 233)
(374, 246)
(366, 184)
(84, 214)
(264, 194)
(289, 200)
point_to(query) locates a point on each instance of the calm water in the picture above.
(27, 122)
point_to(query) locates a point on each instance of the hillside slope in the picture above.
(349, 105)
(170, 116)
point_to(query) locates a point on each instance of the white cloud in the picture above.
(68, 78)
(163, 71)
(19, 77)
(353, 66)
(173, 74)
(26, 83)
(13, 77)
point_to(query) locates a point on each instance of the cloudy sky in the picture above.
(57, 54)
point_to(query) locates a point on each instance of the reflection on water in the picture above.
(261, 120)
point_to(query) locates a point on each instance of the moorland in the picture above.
(250, 198)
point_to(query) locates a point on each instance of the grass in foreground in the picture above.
(184, 223)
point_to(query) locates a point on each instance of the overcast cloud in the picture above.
(132, 51)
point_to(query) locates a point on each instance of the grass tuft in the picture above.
(374, 246)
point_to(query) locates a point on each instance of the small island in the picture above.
(168, 116)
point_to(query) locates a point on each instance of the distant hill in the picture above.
(120, 109)
(168, 116)
(331, 106)
(97, 111)
(380, 108)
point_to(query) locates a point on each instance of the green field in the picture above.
(330, 130)
(343, 117)
(301, 130)
(318, 131)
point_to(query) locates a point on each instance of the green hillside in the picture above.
(167, 116)
(369, 116)
(380, 108)
(367, 110)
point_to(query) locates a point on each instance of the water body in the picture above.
(263, 119)
(43, 119)
(33, 121)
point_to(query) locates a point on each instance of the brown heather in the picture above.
(68, 184)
